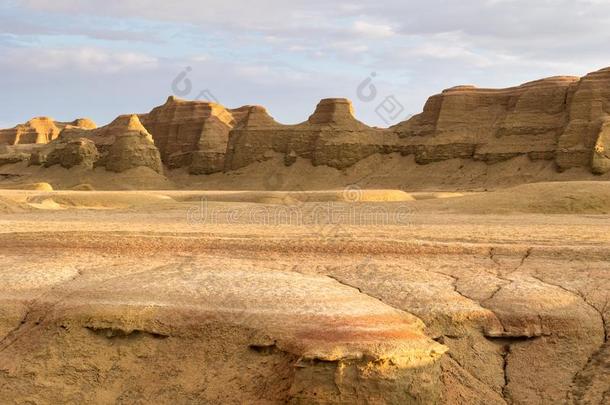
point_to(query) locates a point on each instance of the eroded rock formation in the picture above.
(601, 153)
(40, 130)
(559, 119)
(191, 133)
(68, 154)
(119, 146)
(489, 125)
(331, 136)
(588, 103)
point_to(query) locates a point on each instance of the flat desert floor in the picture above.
(345, 296)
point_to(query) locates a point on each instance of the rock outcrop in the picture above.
(588, 103)
(68, 153)
(191, 133)
(119, 146)
(556, 119)
(559, 119)
(40, 130)
(489, 125)
(331, 136)
(601, 153)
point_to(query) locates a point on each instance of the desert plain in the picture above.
(198, 254)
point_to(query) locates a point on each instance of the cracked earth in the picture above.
(135, 305)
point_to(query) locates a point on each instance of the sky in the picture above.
(99, 59)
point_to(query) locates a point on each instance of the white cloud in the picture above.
(271, 75)
(83, 59)
(316, 47)
(543, 31)
(200, 58)
(373, 30)
(349, 47)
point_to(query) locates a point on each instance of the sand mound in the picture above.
(435, 195)
(97, 200)
(139, 178)
(37, 187)
(83, 187)
(45, 204)
(295, 197)
(540, 198)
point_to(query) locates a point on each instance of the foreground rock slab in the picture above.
(447, 307)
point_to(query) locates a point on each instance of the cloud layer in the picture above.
(68, 58)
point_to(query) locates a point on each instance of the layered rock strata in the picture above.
(558, 119)
(40, 130)
(119, 146)
(191, 133)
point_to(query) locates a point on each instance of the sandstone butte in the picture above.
(565, 120)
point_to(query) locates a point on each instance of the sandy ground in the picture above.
(340, 296)
(391, 172)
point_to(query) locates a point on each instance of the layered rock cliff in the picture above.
(588, 102)
(490, 125)
(331, 136)
(564, 120)
(40, 130)
(119, 146)
(191, 133)
(560, 119)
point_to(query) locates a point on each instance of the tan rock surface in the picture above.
(532, 132)
(589, 107)
(119, 146)
(601, 152)
(40, 130)
(556, 119)
(191, 133)
(241, 303)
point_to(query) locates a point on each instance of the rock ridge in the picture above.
(561, 119)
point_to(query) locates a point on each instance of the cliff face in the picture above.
(490, 125)
(589, 110)
(331, 136)
(119, 146)
(40, 130)
(191, 133)
(560, 119)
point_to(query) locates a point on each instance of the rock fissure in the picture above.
(505, 392)
(38, 314)
(124, 333)
(582, 297)
(43, 305)
(597, 355)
